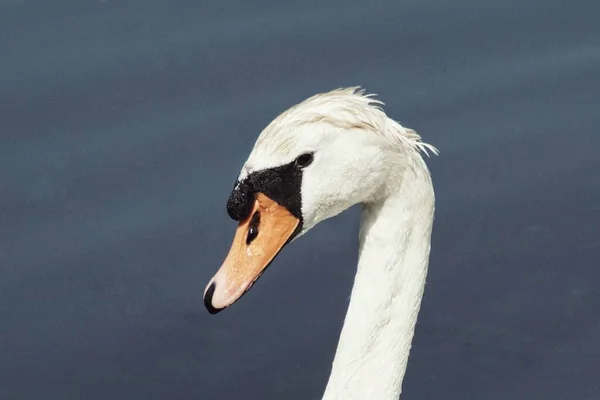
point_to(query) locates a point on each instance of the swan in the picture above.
(312, 162)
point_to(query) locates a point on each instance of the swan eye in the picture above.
(304, 160)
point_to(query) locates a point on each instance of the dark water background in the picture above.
(123, 126)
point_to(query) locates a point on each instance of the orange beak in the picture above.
(257, 241)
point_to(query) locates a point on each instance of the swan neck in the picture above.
(376, 338)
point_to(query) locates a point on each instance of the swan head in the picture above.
(312, 162)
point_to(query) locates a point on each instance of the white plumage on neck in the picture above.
(394, 251)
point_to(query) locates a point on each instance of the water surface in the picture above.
(124, 123)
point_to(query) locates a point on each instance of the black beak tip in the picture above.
(208, 300)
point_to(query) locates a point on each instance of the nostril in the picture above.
(208, 299)
(253, 228)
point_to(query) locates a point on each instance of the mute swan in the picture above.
(312, 162)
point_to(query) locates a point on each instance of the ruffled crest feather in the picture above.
(347, 108)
